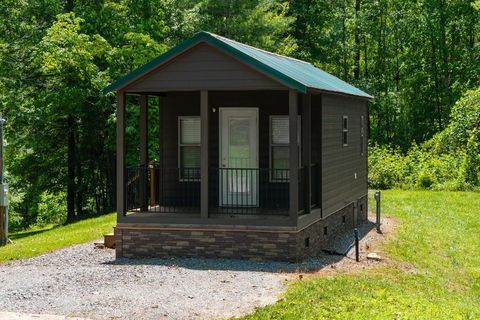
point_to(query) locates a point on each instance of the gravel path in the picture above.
(87, 282)
(82, 281)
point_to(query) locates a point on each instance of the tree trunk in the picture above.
(69, 5)
(79, 186)
(356, 70)
(71, 170)
(344, 40)
(444, 50)
(365, 57)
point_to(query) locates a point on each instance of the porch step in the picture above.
(109, 240)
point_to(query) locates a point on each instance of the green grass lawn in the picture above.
(35, 242)
(439, 235)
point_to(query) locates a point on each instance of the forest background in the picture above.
(419, 59)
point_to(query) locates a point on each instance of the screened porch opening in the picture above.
(248, 156)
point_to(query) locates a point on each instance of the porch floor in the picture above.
(216, 212)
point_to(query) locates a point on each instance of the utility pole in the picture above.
(3, 193)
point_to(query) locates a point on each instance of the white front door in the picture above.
(238, 157)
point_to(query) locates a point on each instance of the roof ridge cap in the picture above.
(259, 49)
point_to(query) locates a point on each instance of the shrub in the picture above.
(448, 161)
(470, 169)
(464, 119)
(418, 169)
(15, 219)
(385, 167)
(52, 209)
(425, 180)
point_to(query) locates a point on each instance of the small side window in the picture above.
(345, 131)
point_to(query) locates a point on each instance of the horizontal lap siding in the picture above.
(173, 105)
(204, 68)
(317, 142)
(339, 163)
(177, 104)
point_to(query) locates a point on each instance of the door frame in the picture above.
(221, 110)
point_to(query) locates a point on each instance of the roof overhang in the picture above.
(249, 56)
(193, 41)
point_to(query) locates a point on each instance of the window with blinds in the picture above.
(189, 148)
(279, 147)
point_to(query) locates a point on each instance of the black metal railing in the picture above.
(249, 191)
(154, 189)
(135, 187)
(246, 191)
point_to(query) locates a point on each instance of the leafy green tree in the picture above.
(418, 58)
(261, 23)
(67, 59)
(470, 170)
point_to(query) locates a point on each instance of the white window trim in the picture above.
(271, 144)
(180, 145)
(344, 130)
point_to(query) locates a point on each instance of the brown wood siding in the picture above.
(340, 163)
(204, 67)
(175, 104)
(317, 144)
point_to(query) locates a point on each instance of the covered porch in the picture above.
(257, 155)
(225, 158)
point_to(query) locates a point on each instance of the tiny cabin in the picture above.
(260, 155)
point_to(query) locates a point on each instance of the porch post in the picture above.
(120, 155)
(144, 150)
(293, 168)
(204, 154)
(307, 148)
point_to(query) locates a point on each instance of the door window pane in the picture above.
(239, 143)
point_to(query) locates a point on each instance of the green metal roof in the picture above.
(293, 73)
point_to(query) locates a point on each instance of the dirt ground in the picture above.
(370, 242)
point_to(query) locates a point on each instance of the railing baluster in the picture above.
(233, 190)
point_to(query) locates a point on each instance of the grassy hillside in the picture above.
(35, 242)
(439, 237)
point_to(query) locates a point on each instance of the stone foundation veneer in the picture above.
(269, 244)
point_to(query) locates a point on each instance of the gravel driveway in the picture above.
(87, 282)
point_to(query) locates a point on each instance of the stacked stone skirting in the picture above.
(291, 245)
